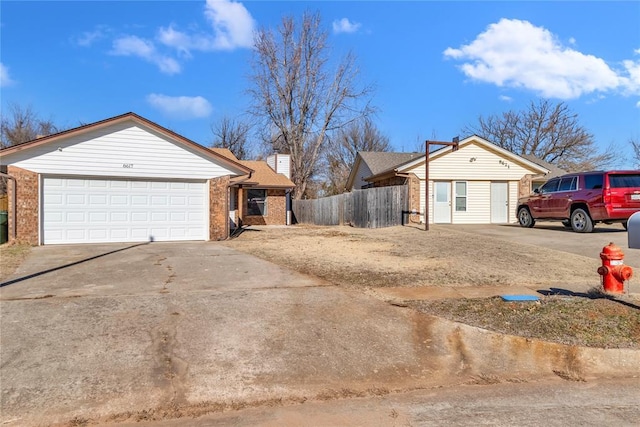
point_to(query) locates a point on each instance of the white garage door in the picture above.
(96, 210)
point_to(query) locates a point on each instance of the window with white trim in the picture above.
(461, 196)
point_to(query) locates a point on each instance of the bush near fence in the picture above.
(369, 208)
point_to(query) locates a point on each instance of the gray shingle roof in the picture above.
(381, 161)
(554, 171)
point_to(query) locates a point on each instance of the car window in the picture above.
(550, 186)
(567, 184)
(593, 182)
(624, 180)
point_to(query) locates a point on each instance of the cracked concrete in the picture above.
(112, 333)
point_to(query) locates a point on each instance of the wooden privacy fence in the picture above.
(369, 208)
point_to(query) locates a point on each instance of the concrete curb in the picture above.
(475, 351)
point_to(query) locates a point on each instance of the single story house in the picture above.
(479, 183)
(553, 171)
(370, 163)
(264, 198)
(123, 179)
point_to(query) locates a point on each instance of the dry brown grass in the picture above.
(577, 320)
(404, 256)
(11, 256)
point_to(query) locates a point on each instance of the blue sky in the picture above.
(436, 65)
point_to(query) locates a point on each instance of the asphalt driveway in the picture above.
(553, 235)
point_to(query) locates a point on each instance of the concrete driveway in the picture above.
(553, 235)
(109, 333)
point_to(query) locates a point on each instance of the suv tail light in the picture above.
(606, 195)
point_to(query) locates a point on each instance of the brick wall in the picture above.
(414, 199)
(27, 221)
(218, 208)
(524, 186)
(276, 210)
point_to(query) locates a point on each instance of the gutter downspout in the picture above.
(240, 181)
(12, 235)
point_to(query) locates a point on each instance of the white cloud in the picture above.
(632, 81)
(515, 53)
(145, 49)
(184, 43)
(5, 80)
(87, 38)
(181, 107)
(232, 23)
(232, 26)
(505, 98)
(345, 26)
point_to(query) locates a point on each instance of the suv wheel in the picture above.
(525, 219)
(581, 221)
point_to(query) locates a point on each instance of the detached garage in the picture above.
(125, 179)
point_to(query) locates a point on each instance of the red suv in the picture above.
(582, 199)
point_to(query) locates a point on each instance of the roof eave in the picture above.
(118, 119)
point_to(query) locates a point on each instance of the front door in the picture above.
(442, 202)
(499, 202)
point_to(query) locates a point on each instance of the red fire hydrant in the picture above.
(613, 271)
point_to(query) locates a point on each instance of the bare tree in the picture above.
(232, 134)
(21, 124)
(299, 99)
(360, 135)
(635, 144)
(548, 131)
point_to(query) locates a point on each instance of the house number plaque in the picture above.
(127, 165)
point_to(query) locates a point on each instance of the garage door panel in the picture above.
(98, 234)
(75, 199)
(92, 210)
(140, 217)
(76, 217)
(139, 200)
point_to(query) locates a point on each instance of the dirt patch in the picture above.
(445, 258)
(11, 256)
(410, 257)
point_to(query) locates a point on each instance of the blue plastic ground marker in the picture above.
(511, 298)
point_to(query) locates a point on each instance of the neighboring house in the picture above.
(479, 183)
(123, 179)
(264, 197)
(538, 180)
(368, 163)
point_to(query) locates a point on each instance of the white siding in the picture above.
(487, 165)
(122, 150)
(363, 171)
(457, 165)
(513, 201)
(478, 204)
(280, 163)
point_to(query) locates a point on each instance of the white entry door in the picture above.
(83, 210)
(442, 202)
(499, 202)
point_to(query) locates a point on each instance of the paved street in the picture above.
(547, 403)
